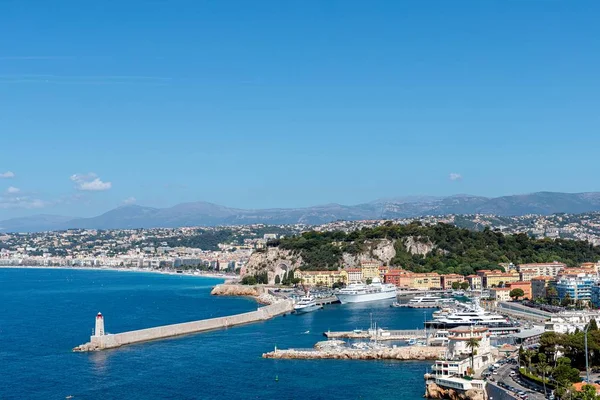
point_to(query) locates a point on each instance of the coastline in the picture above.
(225, 277)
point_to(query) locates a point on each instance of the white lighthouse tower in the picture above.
(99, 331)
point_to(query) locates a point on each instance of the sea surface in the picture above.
(44, 313)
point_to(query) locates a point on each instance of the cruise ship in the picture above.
(359, 292)
(474, 315)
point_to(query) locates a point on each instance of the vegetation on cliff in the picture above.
(455, 250)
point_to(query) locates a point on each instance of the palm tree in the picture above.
(544, 368)
(473, 343)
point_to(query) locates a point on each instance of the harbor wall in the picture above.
(110, 341)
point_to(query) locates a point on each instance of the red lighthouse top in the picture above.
(99, 315)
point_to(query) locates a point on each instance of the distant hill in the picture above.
(208, 214)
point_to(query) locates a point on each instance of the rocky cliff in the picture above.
(276, 261)
(433, 391)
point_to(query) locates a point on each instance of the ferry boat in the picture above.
(474, 315)
(359, 292)
(306, 304)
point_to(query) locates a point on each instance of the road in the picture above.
(503, 376)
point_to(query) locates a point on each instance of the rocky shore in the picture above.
(257, 292)
(433, 391)
(338, 350)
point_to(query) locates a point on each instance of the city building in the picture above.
(430, 280)
(321, 278)
(525, 286)
(354, 274)
(458, 361)
(500, 294)
(497, 278)
(370, 269)
(543, 269)
(569, 322)
(475, 282)
(447, 280)
(577, 288)
(539, 286)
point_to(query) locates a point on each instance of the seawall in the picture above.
(111, 341)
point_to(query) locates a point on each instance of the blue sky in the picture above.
(290, 103)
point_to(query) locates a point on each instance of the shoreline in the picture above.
(119, 269)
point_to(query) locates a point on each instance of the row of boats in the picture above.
(451, 314)
(353, 293)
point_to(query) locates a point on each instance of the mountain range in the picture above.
(208, 214)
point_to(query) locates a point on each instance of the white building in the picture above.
(458, 360)
(568, 322)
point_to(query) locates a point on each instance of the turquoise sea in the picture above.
(44, 313)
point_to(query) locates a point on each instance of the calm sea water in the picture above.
(45, 313)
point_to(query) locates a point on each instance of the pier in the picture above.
(102, 341)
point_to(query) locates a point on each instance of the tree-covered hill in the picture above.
(455, 250)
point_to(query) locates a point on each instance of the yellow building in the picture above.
(474, 281)
(496, 278)
(448, 279)
(425, 281)
(321, 278)
(500, 294)
(370, 269)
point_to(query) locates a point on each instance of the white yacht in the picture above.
(359, 292)
(474, 315)
(306, 304)
(430, 301)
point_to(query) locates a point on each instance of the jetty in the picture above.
(337, 349)
(103, 341)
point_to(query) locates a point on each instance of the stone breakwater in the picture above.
(345, 353)
(258, 292)
(110, 341)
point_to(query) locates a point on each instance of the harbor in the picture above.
(101, 340)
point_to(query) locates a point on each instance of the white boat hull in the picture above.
(364, 297)
(306, 309)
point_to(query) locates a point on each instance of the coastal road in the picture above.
(503, 376)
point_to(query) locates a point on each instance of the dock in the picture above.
(379, 334)
(103, 341)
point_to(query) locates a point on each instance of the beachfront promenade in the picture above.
(102, 341)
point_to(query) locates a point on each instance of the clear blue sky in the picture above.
(293, 103)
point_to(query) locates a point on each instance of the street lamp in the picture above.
(587, 366)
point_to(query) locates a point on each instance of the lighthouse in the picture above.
(99, 331)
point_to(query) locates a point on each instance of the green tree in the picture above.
(369, 281)
(516, 293)
(593, 325)
(455, 285)
(588, 392)
(277, 280)
(473, 344)
(566, 301)
(464, 285)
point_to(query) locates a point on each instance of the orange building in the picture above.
(525, 286)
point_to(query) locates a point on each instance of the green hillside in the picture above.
(456, 250)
